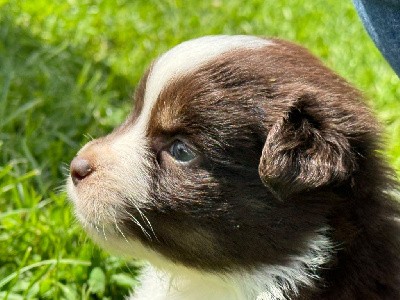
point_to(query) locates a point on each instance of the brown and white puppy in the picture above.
(247, 170)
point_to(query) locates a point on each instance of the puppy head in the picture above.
(229, 159)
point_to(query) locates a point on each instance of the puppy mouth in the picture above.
(105, 219)
(102, 222)
(130, 227)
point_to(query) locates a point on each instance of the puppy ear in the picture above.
(305, 149)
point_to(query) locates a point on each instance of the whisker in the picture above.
(141, 227)
(120, 231)
(64, 168)
(104, 233)
(145, 219)
(60, 189)
(88, 137)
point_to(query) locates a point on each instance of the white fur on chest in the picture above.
(159, 285)
(265, 283)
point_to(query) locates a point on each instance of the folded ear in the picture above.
(305, 149)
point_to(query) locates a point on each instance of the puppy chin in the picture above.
(113, 242)
(98, 218)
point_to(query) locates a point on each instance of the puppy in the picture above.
(247, 170)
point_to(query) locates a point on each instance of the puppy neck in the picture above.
(167, 281)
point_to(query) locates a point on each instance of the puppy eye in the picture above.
(181, 152)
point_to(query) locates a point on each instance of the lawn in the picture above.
(67, 73)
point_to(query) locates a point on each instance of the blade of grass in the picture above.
(4, 94)
(39, 206)
(10, 277)
(19, 112)
(23, 262)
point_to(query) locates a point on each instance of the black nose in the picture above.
(80, 168)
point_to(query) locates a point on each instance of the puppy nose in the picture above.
(80, 168)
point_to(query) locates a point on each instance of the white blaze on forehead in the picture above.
(188, 56)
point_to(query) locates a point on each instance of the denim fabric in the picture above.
(381, 18)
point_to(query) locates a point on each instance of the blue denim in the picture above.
(381, 18)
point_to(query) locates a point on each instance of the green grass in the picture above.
(67, 71)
